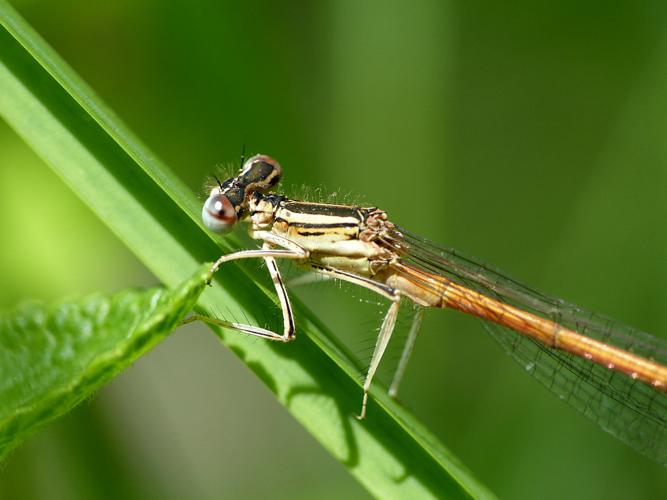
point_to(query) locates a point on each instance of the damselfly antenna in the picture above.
(242, 155)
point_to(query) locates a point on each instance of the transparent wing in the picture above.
(631, 410)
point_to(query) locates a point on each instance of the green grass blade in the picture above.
(390, 453)
(52, 357)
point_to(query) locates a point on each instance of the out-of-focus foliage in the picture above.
(52, 357)
(531, 135)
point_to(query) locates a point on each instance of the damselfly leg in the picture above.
(269, 255)
(386, 329)
(407, 352)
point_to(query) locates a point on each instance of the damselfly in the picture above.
(613, 374)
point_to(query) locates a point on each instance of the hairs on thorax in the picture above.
(321, 194)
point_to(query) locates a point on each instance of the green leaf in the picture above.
(52, 357)
(390, 452)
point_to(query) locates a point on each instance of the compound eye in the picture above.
(218, 212)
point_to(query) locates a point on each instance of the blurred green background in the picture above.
(530, 135)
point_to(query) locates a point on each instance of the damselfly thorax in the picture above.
(333, 235)
(612, 373)
(347, 238)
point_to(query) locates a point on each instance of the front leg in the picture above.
(290, 250)
(285, 305)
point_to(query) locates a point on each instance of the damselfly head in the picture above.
(228, 201)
